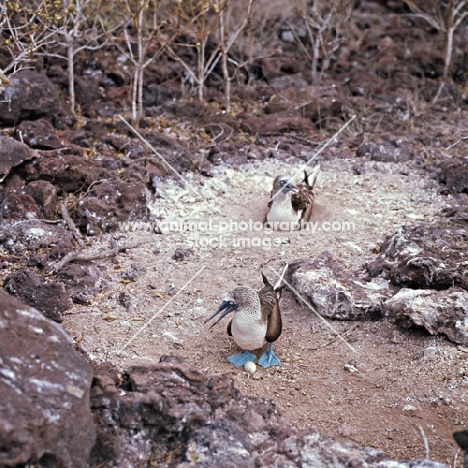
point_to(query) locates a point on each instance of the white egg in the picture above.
(250, 366)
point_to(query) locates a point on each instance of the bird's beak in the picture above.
(225, 308)
(290, 187)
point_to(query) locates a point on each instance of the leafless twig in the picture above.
(305, 140)
(325, 22)
(426, 445)
(447, 21)
(198, 20)
(456, 143)
(71, 225)
(226, 42)
(88, 257)
(153, 29)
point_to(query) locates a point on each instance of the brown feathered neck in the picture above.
(244, 297)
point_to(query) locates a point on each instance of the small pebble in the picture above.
(409, 408)
(250, 367)
(350, 367)
(430, 353)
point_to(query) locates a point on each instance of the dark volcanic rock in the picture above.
(439, 312)
(12, 153)
(174, 415)
(79, 137)
(425, 256)
(45, 194)
(247, 93)
(38, 134)
(81, 281)
(235, 153)
(125, 299)
(31, 235)
(179, 157)
(456, 214)
(334, 292)
(135, 172)
(296, 80)
(59, 250)
(86, 90)
(13, 183)
(101, 109)
(316, 103)
(133, 272)
(50, 298)
(281, 67)
(385, 152)
(320, 111)
(155, 94)
(32, 96)
(45, 418)
(429, 260)
(182, 254)
(189, 109)
(97, 129)
(455, 175)
(274, 123)
(461, 438)
(18, 206)
(68, 172)
(108, 203)
(121, 94)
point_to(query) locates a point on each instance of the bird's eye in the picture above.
(231, 302)
(282, 182)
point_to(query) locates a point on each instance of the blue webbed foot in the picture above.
(269, 358)
(240, 359)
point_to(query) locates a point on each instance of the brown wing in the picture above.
(275, 324)
(274, 190)
(304, 199)
(270, 309)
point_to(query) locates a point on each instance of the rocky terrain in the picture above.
(116, 243)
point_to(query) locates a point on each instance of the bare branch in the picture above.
(71, 225)
(80, 256)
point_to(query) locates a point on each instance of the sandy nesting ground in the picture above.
(397, 386)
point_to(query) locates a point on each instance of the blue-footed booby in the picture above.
(289, 204)
(256, 321)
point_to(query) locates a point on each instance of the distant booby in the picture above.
(290, 204)
(256, 321)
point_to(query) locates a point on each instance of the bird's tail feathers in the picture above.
(311, 178)
(265, 280)
(279, 285)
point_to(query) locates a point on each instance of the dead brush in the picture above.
(446, 17)
(326, 23)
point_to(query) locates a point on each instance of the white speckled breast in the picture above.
(248, 332)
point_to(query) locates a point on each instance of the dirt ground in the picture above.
(398, 390)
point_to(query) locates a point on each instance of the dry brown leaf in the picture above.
(110, 318)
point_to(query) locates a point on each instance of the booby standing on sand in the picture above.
(256, 321)
(291, 204)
